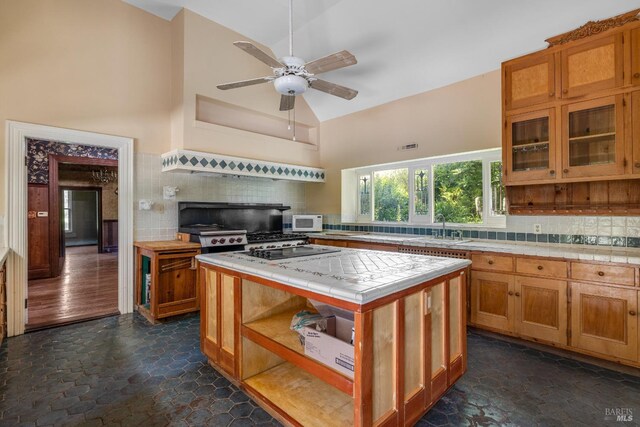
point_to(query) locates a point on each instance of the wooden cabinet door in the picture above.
(209, 314)
(592, 66)
(604, 320)
(176, 287)
(635, 56)
(492, 302)
(593, 138)
(530, 149)
(38, 232)
(541, 309)
(635, 118)
(529, 81)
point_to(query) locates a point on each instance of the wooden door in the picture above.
(209, 314)
(530, 149)
(492, 302)
(592, 66)
(176, 288)
(604, 320)
(529, 81)
(635, 56)
(457, 328)
(38, 232)
(593, 138)
(635, 117)
(417, 355)
(541, 309)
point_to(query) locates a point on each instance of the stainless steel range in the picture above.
(222, 227)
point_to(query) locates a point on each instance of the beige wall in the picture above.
(100, 66)
(461, 117)
(210, 58)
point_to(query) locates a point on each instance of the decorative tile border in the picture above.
(508, 236)
(183, 160)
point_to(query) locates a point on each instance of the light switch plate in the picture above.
(145, 205)
(537, 229)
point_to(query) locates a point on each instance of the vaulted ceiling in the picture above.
(403, 47)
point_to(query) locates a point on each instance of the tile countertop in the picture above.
(588, 253)
(353, 275)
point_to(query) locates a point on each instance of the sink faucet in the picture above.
(439, 217)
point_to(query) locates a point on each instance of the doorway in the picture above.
(81, 282)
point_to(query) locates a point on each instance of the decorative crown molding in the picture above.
(594, 27)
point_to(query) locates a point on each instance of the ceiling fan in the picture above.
(292, 76)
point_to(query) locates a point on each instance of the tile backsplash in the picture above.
(161, 222)
(617, 231)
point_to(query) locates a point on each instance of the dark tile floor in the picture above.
(122, 371)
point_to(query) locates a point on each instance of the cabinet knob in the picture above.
(565, 170)
(600, 273)
(540, 267)
(636, 76)
(632, 313)
(637, 165)
(490, 262)
(565, 90)
(551, 93)
(517, 294)
(552, 172)
(510, 293)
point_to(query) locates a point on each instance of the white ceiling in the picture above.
(403, 47)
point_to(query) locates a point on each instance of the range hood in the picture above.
(197, 162)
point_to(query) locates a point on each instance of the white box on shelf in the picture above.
(334, 351)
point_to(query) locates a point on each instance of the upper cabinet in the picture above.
(530, 146)
(592, 66)
(571, 113)
(593, 138)
(529, 81)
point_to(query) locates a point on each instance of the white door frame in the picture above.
(15, 235)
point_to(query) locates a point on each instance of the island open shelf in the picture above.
(409, 346)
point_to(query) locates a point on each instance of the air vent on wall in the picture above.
(411, 146)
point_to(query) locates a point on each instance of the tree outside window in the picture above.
(458, 191)
(391, 195)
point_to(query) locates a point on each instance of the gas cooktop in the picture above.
(274, 236)
(286, 253)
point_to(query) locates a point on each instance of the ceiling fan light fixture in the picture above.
(291, 85)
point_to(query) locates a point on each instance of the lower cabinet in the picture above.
(604, 320)
(218, 328)
(528, 306)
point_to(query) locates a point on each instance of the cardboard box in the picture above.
(334, 351)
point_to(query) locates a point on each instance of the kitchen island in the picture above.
(409, 332)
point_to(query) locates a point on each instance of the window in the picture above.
(391, 195)
(463, 189)
(421, 192)
(457, 189)
(66, 211)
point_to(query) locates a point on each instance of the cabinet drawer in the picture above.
(492, 262)
(614, 274)
(541, 267)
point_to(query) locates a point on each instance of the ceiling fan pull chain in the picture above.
(290, 27)
(294, 123)
(289, 124)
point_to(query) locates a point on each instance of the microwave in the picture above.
(306, 223)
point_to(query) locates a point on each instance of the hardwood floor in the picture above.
(86, 289)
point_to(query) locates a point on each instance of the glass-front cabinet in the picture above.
(592, 140)
(530, 146)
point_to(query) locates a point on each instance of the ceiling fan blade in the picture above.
(243, 83)
(334, 89)
(287, 102)
(331, 62)
(260, 55)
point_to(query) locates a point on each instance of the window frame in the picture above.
(428, 164)
(67, 203)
